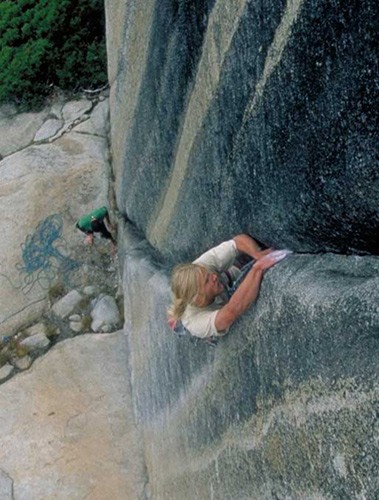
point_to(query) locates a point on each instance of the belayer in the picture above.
(206, 298)
(97, 221)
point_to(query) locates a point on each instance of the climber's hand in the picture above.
(271, 259)
(89, 239)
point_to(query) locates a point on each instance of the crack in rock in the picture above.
(6, 486)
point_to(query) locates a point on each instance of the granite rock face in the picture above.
(285, 406)
(243, 116)
(255, 117)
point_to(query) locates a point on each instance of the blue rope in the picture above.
(42, 261)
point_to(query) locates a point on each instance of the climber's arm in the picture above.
(245, 295)
(246, 244)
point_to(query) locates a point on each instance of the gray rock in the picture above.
(107, 328)
(72, 407)
(18, 131)
(22, 363)
(39, 328)
(90, 290)
(6, 486)
(55, 332)
(65, 306)
(97, 299)
(105, 314)
(48, 129)
(76, 326)
(5, 372)
(56, 109)
(75, 109)
(36, 342)
(75, 317)
(98, 121)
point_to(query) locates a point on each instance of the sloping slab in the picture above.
(67, 426)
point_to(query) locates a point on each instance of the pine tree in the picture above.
(46, 43)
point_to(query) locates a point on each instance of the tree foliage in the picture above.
(47, 43)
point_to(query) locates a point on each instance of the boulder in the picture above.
(76, 326)
(23, 363)
(37, 342)
(75, 317)
(66, 305)
(38, 328)
(105, 314)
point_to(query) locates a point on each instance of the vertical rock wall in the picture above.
(231, 116)
(285, 406)
(262, 112)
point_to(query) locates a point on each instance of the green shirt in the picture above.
(84, 223)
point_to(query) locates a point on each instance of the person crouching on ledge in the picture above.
(211, 293)
(97, 221)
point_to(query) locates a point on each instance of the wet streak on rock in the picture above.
(311, 149)
(301, 171)
(208, 165)
(176, 36)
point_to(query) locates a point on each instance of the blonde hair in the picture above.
(184, 286)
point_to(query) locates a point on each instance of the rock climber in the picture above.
(97, 221)
(203, 301)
